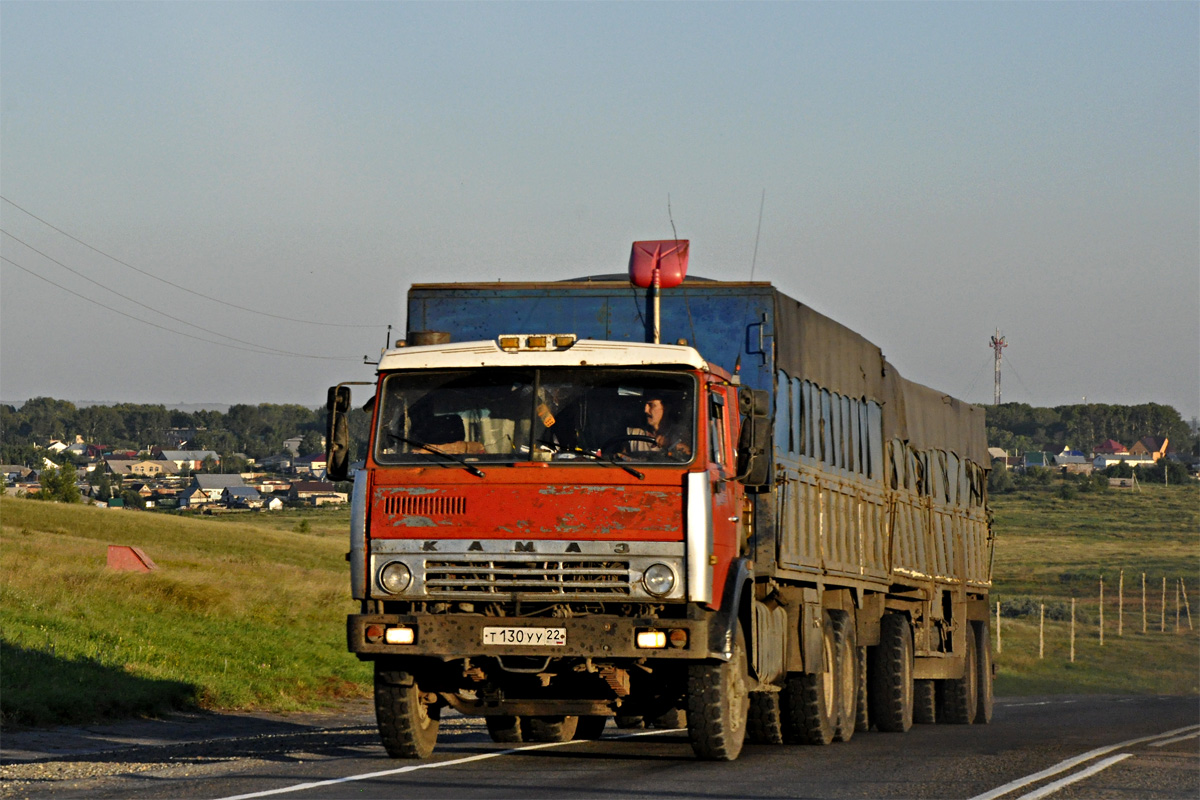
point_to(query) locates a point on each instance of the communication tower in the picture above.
(998, 344)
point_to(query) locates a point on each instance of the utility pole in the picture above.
(998, 344)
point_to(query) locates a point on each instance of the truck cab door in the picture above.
(726, 493)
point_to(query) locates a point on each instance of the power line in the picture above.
(150, 308)
(170, 330)
(175, 285)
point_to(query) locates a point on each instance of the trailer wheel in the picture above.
(504, 728)
(764, 724)
(670, 719)
(810, 699)
(717, 705)
(924, 701)
(407, 720)
(590, 727)
(845, 637)
(891, 693)
(960, 696)
(983, 654)
(862, 710)
(625, 721)
(553, 728)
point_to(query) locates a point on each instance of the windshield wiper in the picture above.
(471, 468)
(609, 460)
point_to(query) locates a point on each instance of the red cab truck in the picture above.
(758, 531)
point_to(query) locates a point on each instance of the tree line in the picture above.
(259, 431)
(256, 431)
(1020, 428)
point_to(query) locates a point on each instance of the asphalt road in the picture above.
(1060, 747)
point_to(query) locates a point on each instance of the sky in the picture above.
(225, 202)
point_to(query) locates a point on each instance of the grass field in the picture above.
(248, 610)
(239, 614)
(1050, 549)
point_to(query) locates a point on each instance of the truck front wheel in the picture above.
(407, 717)
(717, 704)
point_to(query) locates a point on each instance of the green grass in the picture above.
(239, 615)
(247, 611)
(1050, 549)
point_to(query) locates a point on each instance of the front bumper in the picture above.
(454, 636)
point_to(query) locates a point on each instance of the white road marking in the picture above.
(1075, 761)
(1051, 788)
(1183, 738)
(300, 787)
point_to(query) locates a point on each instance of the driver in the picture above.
(669, 438)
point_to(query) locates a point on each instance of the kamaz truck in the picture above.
(666, 500)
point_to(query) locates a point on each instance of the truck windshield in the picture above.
(501, 415)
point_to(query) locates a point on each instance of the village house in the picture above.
(241, 497)
(317, 493)
(145, 468)
(187, 459)
(1153, 446)
(310, 465)
(208, 490)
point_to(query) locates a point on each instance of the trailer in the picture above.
(757, 530)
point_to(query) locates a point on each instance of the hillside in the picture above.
(248, 611)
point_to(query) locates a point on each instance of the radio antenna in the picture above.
(753, 261)
(670, 218)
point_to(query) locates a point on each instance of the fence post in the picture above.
(1121, 604)
(1186, 606)
(1143, 602)
(1102, 611)
(1072, 630)
(1162, 623)
(1177, 605)
(1042, 631)
(999, 640)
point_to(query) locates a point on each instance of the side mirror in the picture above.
(337, 434)
(753, 458)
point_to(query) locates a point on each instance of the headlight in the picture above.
(394, 577)
(658, 579)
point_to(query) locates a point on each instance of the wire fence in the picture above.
(1155, 612)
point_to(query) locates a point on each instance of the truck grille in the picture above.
(489, 579)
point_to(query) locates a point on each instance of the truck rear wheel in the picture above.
(810, 699)
(960, 696)
(717, 705)
(504, 728)
(764, 724)
(626, 721)
(590, 727)
(668, 720)
(924, 702)
(862, 714)
(845, 671)
(556, 728)
(406, 716)
(983, 653)
(891, 693)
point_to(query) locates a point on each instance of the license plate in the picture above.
(529, 637)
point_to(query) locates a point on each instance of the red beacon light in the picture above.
(659, 263)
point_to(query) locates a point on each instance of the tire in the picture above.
(670, 719)
(924, 702)
(718, 703)
(764, 724)
(983, 655)
(845, 671)
(555, 728)
(810, 698)
(960, 696)
(504, 729)
(407, 724)
(626, 722)
(862, 714)
(590, 727)
(891, 691)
